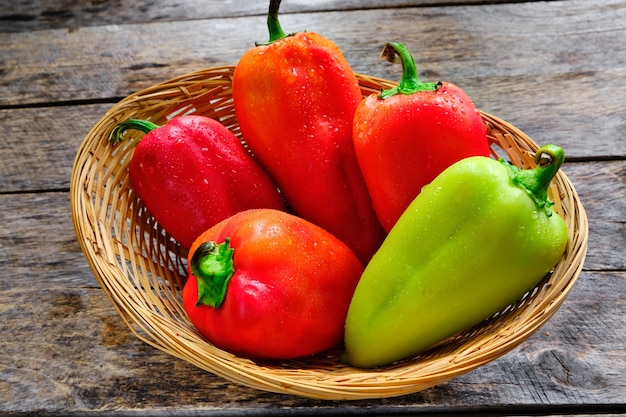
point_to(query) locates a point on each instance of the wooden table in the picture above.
(556, 69)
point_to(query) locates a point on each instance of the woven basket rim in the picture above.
(141, 272)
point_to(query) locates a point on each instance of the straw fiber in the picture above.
(143, 270)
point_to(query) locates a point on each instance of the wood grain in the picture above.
(58, 132)
(21, 16)
(37, 237)
(602, 190)
(554, 69)
(70, 350)
(55, 134)
(469, 45)
(541, 71)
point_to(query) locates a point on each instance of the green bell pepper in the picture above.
(476, 239)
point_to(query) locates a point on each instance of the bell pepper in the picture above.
(405, 136)
(267, 284)
(476, 239)
(295, 99)
(192, 173)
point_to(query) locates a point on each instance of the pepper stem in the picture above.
(536, 181)
(273, 25)
(212, 265)
(117, 134)
(410, 82)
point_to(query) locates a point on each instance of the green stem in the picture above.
(212, 265)
(536, 181)
(117, 134)
(273, 25)
(410, 82)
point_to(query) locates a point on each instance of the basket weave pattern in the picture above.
(143, 270)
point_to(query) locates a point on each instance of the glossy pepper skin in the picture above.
(406, 136)
(267, 284)
(192, 173)
(295, 99)
(472, 242)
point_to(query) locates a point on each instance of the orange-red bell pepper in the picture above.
(295, 99)
(267, 284)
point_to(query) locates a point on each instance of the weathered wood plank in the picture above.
(38, 243)
(602, 190)
(39, 144)
(37, 237)
(66, 348)
(554, 87)
(471, 45)
(554, 69)
(20, 16)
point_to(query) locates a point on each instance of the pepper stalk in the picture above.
(273, 25)
(212, 265)
(410, 82)
(536, 181)
(117, 134)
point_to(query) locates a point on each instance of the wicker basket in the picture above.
(142, 269)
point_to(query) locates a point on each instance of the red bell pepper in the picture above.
(404, 137)
(267, 284)
(192, 173)
(295, 99)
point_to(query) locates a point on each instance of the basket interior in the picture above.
(143, 270)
